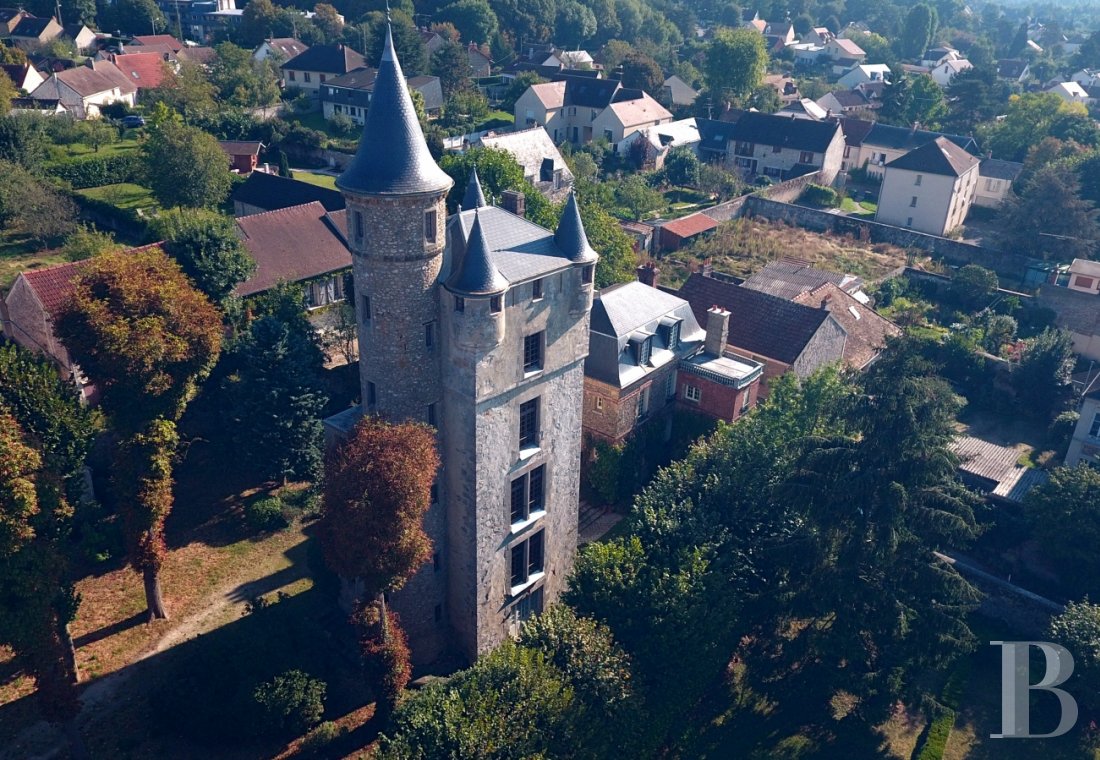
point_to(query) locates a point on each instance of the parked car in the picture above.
(133, 121)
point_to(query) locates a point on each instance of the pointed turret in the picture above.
(474, 197)
(570, 237)
(476, 275)
(393, 158)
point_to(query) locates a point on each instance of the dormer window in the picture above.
(669, 330)
(641, 345)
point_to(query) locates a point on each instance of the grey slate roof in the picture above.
(768, 129)
(570, 236)
(474, 197)
(476, 274)
(270, 192)
(907, 138)
(520, 249)
(941, 156)
(531, 147)
(330, 59)
(997, 168)
(393, 158)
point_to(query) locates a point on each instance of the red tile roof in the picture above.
(145, 70)
(53, 285)
(158, 39)
(691, 225)
(291, 245)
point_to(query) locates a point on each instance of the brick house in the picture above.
(784, 336)
(648, 355)
(244, 156)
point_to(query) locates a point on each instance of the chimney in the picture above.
(706, 268)
(648, 274)
(513, 200)
(718, 331)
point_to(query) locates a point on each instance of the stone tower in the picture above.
(478, 325)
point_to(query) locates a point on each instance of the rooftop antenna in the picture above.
(388, 19)
(58, 6)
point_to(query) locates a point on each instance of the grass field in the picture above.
(322, 180)
(863, 208)
(124, 195)
(80, 150)
(18, 253)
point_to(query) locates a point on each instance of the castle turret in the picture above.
(474, 197)
(478, 287)
(572, 241)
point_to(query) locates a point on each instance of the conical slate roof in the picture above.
(476, 274)
(570, 237)
(393, 158)
(474, 197)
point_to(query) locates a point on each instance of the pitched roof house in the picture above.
(675, 91)
(243, 155)
(873, 144)
(312, 68)
(282, 48)
(783, 335)
(775, 146)
(268, 192)
(83, 89)
(1084, 446)
(789, 277)
(866, 331)
(543, 165)
(654, 143)
(995, 178)
(23, 75)
(32, 31)
(10, 18)
(304, 244)
(350, 94)
(144, 70)
(929, 189)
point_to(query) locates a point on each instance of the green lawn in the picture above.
(123, 195)
(863, 208)
(322, 180)
(18, 253)
(79, 150)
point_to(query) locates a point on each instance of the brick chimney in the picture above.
(706, 267)
(513, 200)
(718, 330)
(648, 274)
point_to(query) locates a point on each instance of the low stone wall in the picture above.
(1010, 266)
(789, 190)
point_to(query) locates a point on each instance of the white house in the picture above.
(1071, 92)
(1086, 77)
(995, 178)
(929, 189)
(1084, 447)
(863, 73)
(657, 141)
(839, 49)
(83, 89)
(948, 70)
(279, 48)
(1084, 276)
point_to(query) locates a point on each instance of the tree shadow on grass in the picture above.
(110, 630)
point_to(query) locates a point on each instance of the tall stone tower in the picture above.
(478, 325)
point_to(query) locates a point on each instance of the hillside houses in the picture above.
(929, 189)
(773, 146)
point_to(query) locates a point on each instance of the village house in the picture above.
(647, 355)
(83, 89)
(547, 60)
(1071, 92)
(24, 76)
(541, 161)
(350, 94)
(309, 70)
(650, 146)
(995, 178)
(933, 57)
(10, 18)
(871, 145)
(31, 32)
(929, 189)
(280, 49)
(1013, 69)
(263, 191)
(303, 244)
(1084, 276)
(84, 39)
(847, 102)
(480, 62)
(676, 92)
(945, 73)
(784, 336)
(580, 109)
(1086, 77)
(243, 155)
(789, 278)
(994, 470)
(433, 41)
(144, 70)
(1084, 446)
(785, 86)
(779, 147)
(863, 73)
(1077, 305)
(42, 107)
(843, 54)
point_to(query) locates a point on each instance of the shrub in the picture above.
(100, 170)
(265, 514)
(291, 703)
(318, 740)
(935, 741)
(818, 195)
(973, 286)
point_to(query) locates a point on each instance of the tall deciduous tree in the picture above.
(1065, 516)
(735, 62)
(1042, 379)
(915, 99)
(641, 72)
(1047, 218)
(451, 64)
(148, 339)
(206, 245)
(185, 166)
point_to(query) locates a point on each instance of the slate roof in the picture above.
(941, 156)
(1011, 68)
(31, 27)
(291, 245)
(530, 147)
(867, 331)
(847, 98)
(588, 91)
(681, 93)
(759, 323)
(329, 59)
(361, 78)
(474, 196)
(288, 47)
(475, 274)
(770, 129)
(520, 249)
(570, 237)
(855, 130)
(392, 158)
(240, 147)
(271, 192)
(997, 168)
(788, 277)
(907, 138)
(633, 308)
(1077, 312)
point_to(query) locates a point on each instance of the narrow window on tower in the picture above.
(532, 353)
(587, 274)
(460, 304)
(430, 231)
(527, 561)
(358, 225)
(365, 302)
(495, 304)
(429, 335)
(431, 415)
(536, 290)
(529, 424)
(527, 495)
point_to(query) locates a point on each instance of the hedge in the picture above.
(104, 214)
(817, 195)
(100, 170)
(935, 741)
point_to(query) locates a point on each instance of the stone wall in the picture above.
(619, 413)
(1009, 266)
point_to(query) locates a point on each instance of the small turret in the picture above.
(570, 237)
(475, 319)
(476, 275)
(474, 197)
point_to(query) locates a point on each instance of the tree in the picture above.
(498, 171)
(276, 401)
(284, 165)
(12, 54)
(7, 92)
(1064, 513)
(973, 286)
(641, 72)
(1027, 120)
(474, 19)
(637, 197)
(918, 31)
(1048, 219)
(135, 17)
(327, 19)
(519, 85)
(185, 166)
(735, 62)
(511, 703)
(765, 99)
(617, 257)
(1000, 329)
(912, 100)
(186, 91)
(1042, 379)
(97, 133)
(257, 22)
(386, 654)
(148, 339)
(23, 141)
(376, 492)
(1078, 630)
(576, 24)
(34, 207)
(242, 81)
(682, 167)
(451, 64)
(208, 248)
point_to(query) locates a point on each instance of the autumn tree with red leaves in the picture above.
(147, 338)
(377, 490)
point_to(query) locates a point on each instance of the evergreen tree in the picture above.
(918, 30)
(1047, 218)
